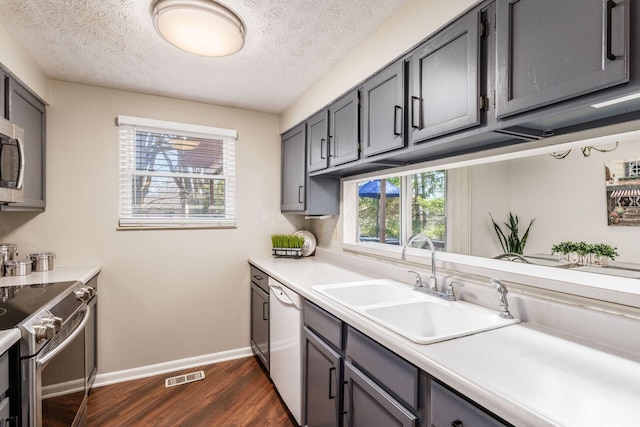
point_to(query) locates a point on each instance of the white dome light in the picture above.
(201, 27)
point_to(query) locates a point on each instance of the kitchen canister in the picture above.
(42, 261)
(18, 267)
(8, 251)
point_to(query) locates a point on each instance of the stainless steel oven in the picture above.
(52, 352)
(11, 162)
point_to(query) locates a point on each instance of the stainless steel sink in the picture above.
(420, 318)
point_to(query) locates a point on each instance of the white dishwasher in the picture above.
(285, 340)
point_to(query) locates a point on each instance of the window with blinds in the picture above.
(176, 175)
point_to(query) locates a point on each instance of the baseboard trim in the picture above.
(167, 367)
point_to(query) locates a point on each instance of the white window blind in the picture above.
(176, 175)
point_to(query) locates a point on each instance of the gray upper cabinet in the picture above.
(301, 194)
(551, 51)
(344, 142)
(293, 169)
(383, 111)
(445, 81)
(26, 111)
(317, 126)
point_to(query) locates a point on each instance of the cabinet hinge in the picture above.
(483, 103)
(483, 29)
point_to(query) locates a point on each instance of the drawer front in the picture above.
(391, 371)
(449, 409)
(324, 324)
(260, 278)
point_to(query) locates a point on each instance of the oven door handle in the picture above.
(40, 362)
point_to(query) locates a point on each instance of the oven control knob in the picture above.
(53, 320)
(82, 294)
(44, 332)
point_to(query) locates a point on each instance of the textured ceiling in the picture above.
(290, 44)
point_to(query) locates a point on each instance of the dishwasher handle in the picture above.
(285, 295)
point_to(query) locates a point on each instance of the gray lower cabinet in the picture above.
(448, 409)
(539, 62)
(322, 367)
(367, 404)
(28, 112)
(383, 111)
(260, 315)
(443, 101)
(322, 379)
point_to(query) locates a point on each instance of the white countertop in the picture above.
(525, 373)
(59, 274)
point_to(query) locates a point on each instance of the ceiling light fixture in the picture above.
(202, 27)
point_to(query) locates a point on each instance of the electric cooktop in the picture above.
(19, 302)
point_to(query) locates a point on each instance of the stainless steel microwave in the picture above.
(11, 162)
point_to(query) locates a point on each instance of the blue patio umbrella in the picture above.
(372, 189)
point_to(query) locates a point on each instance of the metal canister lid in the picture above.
(18, 262)
(42, 255)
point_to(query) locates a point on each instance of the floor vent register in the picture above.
(184, 379)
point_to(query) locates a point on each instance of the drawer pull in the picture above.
(332, 372)
(457, 423)
(258, 277)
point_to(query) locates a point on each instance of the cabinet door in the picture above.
(26, 111)
(445, 81)
(317, 141)
(260, 323)
(383, 111)
(322, 370)
(4, 100)
(294, 170)
(369, 405)
(550, 50)
(344, 143)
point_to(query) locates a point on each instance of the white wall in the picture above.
(164, 295)
(14, 57)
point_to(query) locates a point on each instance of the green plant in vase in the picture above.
(564, 249)
(602, 253)
(510, 240)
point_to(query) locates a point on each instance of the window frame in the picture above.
(129, 128)
(455, 201)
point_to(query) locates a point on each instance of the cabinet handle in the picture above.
(258, 277)
(457, 423)
(300, 188)
(395, 120)
(322, 144)
(610, 6)
(415, 121)
(332, 371)
(264, 315)
(329, 147)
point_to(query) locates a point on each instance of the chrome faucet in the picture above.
(504, 304)
(433, 280)
(448, 295)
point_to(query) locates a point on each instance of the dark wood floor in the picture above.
(234, 393)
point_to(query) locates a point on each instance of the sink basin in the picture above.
(426, 321)
(369, 292)
(421, 318)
